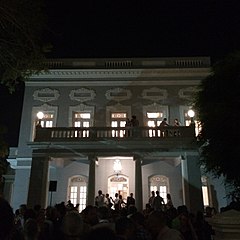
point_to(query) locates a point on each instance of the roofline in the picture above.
(128, 63)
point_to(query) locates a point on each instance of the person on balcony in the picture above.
(128, 125)
(134, 121)
(162, 126)
(134, 124)
(176, 124)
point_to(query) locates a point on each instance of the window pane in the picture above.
(154, 114)
(114, 123)
(151, 123)
(86, 124)
(77, 124)
(49, 123)
(119, 115)
(205, 196)
(82, 115)
(163, 192)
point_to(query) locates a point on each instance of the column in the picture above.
(38, 184)
(138, 185)
(191, 183)
(91, 182)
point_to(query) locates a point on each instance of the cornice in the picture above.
(125, 83)
(119, 73)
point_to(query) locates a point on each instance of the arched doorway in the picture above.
(118, 184)
(77, 191)
(159, 183)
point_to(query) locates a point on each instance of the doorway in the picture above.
(118, 184)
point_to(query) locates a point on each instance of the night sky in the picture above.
(132, 28)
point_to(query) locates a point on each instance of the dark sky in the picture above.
(144, 28)
(132, 28)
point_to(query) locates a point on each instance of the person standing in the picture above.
(116, 202)
(150, 201)
(128, 126)
(134, 121)
(169, 203)
(108, 201)
(130, 200)
(162, 126)
(99, 200)
(176, 122)
(158, 202)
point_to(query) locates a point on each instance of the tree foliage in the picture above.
(218, 105)
(21, 46)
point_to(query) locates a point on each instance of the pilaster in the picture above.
(91, 181)
(138, 184)
(38, 184)
(191, 183)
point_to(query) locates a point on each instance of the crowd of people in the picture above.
(108, 219)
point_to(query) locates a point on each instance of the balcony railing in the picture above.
(120, 133)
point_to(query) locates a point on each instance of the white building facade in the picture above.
(83, 146)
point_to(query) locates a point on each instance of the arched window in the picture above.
(159, 183)
(77, 191)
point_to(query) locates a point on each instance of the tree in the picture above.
(22, 24)
(218, 104)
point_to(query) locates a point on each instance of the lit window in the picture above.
(82, 115)
(46, 119)
(153, 120)
(205, 189)
(160, 183)
(205, 196)
(154, 115)
(81, 119)
(119, 115)
(78, 192)
(118, 120)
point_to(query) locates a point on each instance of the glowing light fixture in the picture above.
(117, 166)
(40, 115)
(191, 113)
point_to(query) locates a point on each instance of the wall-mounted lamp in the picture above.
(40, 116)
(191, 114)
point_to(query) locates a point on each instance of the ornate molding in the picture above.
(82, 95)
(118, 94)
(154, 94)
(187, 93)
(46, 94)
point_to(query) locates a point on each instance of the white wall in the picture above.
(168, 170)
(20, 188)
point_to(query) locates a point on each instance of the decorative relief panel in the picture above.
(118, 94)
(46, 95)
(82, 95)
(187, 93)
(154, 94)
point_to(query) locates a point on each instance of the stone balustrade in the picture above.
(226, 225)
(98, 133)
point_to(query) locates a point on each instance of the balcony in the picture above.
(120, 133)
(95, 139)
